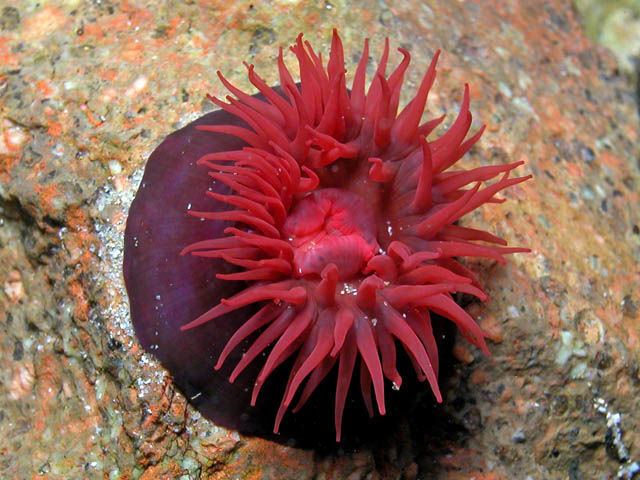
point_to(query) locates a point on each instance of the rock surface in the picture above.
(88, 89)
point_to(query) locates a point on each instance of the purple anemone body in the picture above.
(166, 289)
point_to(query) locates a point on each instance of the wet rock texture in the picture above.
(87, 89)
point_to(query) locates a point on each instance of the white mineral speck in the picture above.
(513, 311)
(115, 167)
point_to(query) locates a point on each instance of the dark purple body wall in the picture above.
(167, 290)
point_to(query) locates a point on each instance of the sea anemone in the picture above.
(335, 220)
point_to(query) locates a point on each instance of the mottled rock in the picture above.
(88, 89)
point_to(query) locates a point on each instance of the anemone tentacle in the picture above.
(343, 219)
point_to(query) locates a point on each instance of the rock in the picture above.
(87, 91)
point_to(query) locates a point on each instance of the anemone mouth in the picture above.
(343, 222)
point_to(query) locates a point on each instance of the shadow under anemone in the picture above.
(334, 238)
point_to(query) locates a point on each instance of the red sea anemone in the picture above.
(332, 218)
